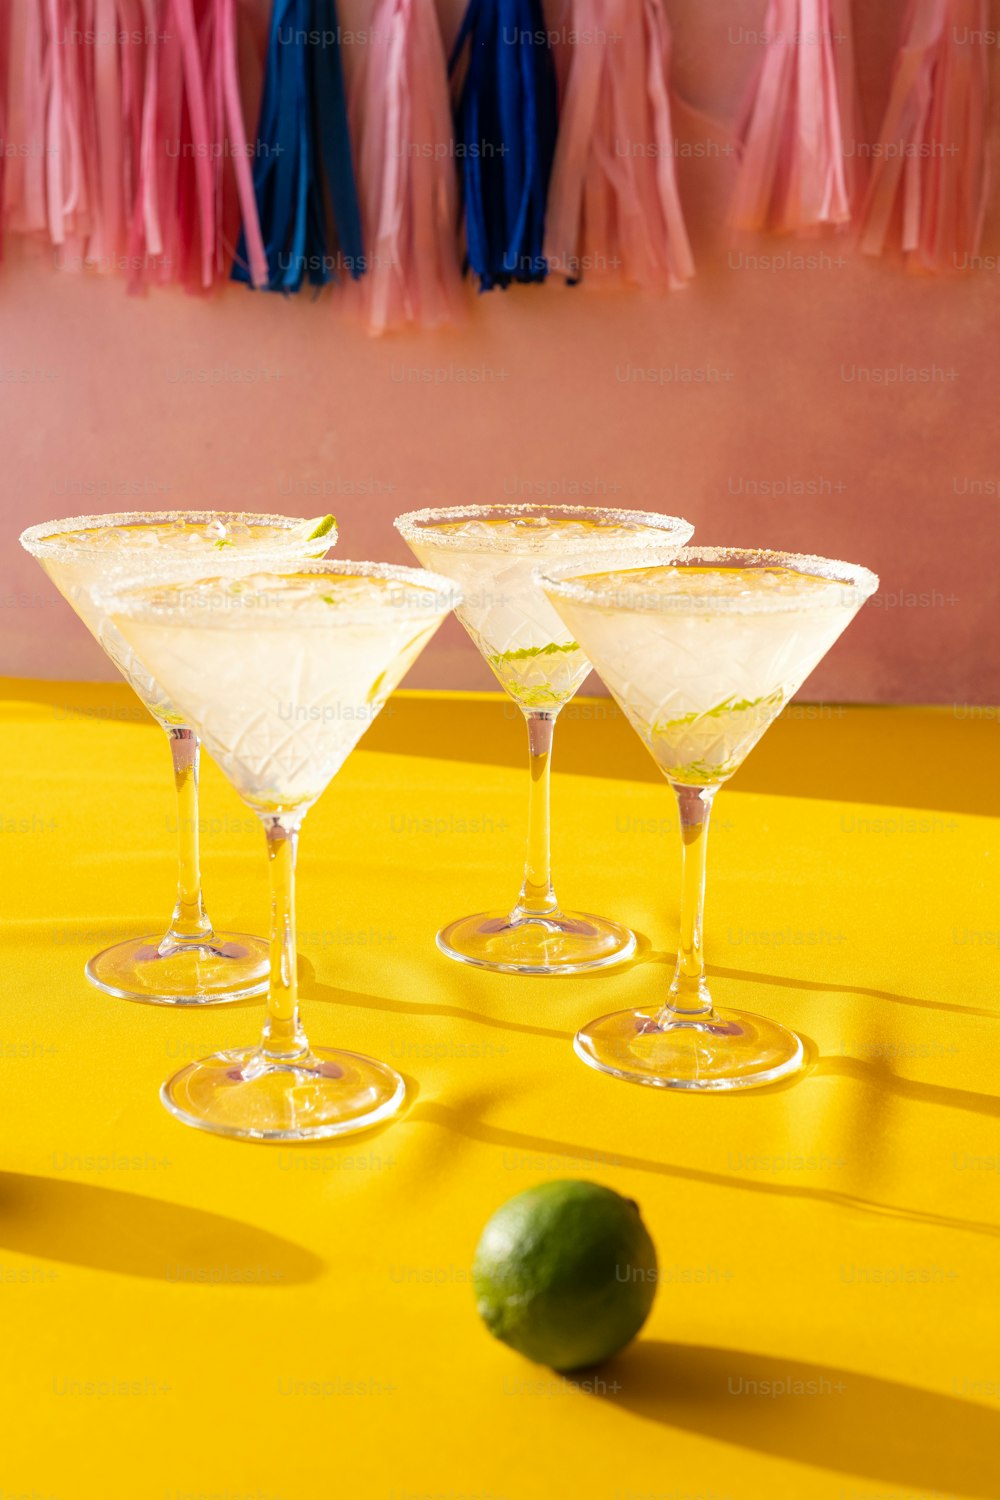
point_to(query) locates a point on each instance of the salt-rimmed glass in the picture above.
(281, 674)
(491, 552)
(192, 963)
(702, 652)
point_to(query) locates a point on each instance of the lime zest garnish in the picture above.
(321, 527)
(730, 705)
(526, 652)
(698, 773)
(222, 542)
(327, 598)
(539, 697)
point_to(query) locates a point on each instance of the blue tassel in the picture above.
(303, 171)
(505, 131)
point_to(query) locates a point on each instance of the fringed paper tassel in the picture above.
(930, 165)
(303, 174)
(506, 133)
(231, 107)
(799, 132)
(191, 129)
(108, 136)
(93, 69)
(47, 189)
(402, 131)
(5, 38)
(70, 146)
(84, 89)
(110, 65)
(614, 210)
(24, 177)
(176, 201)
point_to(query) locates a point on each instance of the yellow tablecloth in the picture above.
(185, 1316)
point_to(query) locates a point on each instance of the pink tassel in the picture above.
(95, 52)
(192, 125)
(614, 209)
(230, 111)
(931, 164)
(69, 142)
(72, 188)
(145, 242)
(132, 78)
(195, 228)
(5, 30)
(70, 80)
(62, 132)
(799, 130)
(110, 140)
(24, 183)
(401, 127)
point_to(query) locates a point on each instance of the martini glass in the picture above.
(281, 673)
(702, 652)
(491, 552)
(192, 963)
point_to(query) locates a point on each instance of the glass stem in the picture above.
(537, 897)
(190, 922)
(283, 1037)
(689, 995)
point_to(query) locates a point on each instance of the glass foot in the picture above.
(232, 966)
(248, 1095)
(561, 943)
(725, 1050)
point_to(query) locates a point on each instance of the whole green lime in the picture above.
(565, 1273)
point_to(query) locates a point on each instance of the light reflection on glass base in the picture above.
(231, 966)
(252, 1097)
(728, 1049)
(560, 943)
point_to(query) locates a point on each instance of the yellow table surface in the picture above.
(187, 1317)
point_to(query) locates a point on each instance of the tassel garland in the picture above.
(124, 148)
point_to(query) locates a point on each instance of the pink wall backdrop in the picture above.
(761, 403)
